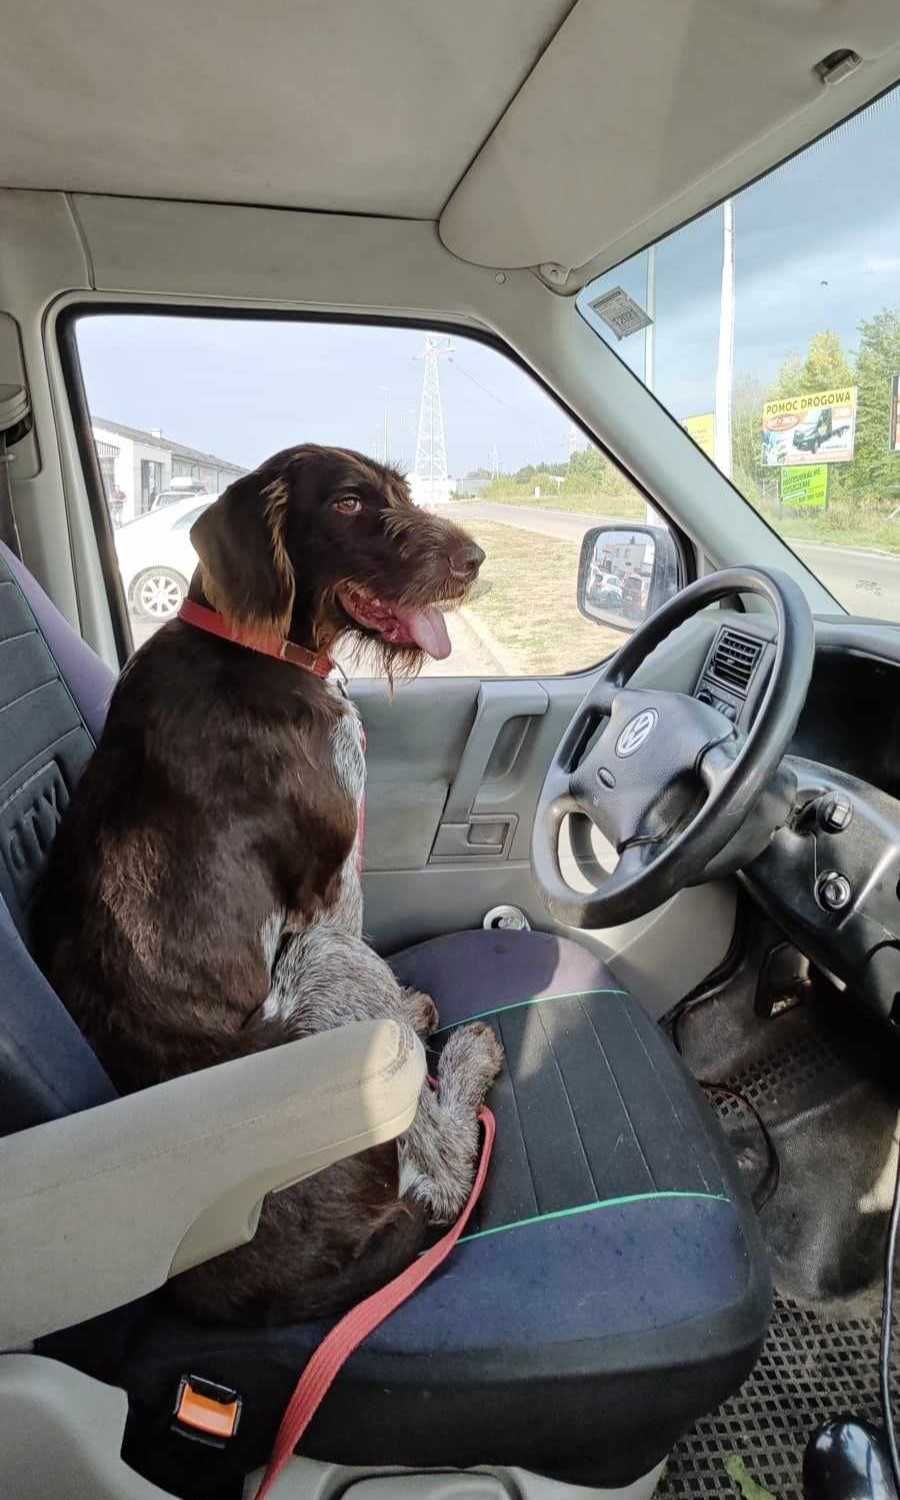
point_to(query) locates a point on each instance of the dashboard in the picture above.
(830, 876)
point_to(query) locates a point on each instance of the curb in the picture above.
(489, 641)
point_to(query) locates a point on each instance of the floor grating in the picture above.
(809, 1370)
(815, 1365)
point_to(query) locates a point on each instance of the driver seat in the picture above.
(612, 1289)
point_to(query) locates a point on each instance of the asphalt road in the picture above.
(866, 583)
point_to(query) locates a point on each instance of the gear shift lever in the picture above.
(847, 1459)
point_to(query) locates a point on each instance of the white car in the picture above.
(188, 490)
(156, 558)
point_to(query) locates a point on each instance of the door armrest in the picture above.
(103, 1206)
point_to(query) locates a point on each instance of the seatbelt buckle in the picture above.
(206, 1412)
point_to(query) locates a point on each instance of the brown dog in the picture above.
(202, 897)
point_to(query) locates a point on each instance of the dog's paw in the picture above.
(420, 1011)
(475, 1055)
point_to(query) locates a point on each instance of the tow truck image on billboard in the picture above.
(818, 428)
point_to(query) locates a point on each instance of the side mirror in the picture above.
(625, 573)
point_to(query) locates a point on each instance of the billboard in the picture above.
(895, 416)
(703, 431)
(816, 428)
(805, 488)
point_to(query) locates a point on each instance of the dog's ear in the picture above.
(240, 541)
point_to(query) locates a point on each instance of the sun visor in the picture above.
(643, 113)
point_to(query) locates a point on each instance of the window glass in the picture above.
(182, 406)
(770, 328)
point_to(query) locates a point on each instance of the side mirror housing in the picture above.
(625, 573)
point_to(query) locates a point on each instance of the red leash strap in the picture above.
(346, 1336)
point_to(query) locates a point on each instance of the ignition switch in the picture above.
(833, 891)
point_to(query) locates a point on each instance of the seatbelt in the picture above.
(9, 531)
(15, 422)
(335, 1349)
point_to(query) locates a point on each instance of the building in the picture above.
(473, 485)
(427, 492)
(137, 466)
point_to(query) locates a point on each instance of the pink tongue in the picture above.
(428, 629)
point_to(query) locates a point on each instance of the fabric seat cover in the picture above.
(613, 1286)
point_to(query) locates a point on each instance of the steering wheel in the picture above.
(668, 780)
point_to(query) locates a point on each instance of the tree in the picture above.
(748, 398)
(826, 365)
(789, 380)
(876, 469)
(590, 472)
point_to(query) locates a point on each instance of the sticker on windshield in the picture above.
(621, 313)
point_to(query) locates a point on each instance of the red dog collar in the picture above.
(320, 664)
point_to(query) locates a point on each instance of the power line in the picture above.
(493, 395)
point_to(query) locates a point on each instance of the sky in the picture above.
(817, 245)
(243, 389)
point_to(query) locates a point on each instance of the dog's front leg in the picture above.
(325, 977)
(437, 1154)
(419, 1010)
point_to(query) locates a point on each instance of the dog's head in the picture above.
(320, 542)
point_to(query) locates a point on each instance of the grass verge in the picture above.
(531, 607)
(579, 505)
(875, 532)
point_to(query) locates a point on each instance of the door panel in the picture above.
(480, 820)
(454, 771)
(415, 741)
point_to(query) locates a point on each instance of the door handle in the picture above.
(464, 834)
(479, 837)
(498, 702)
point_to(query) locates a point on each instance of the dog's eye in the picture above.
(348, 505)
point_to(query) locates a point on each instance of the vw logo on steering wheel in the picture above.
(636, 731)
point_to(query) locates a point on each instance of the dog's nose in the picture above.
(466, 560)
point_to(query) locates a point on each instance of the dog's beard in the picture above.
(369, 655)
(367, 650)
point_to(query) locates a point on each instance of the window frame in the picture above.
(70, 363)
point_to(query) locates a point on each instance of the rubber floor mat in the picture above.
(809, 1370)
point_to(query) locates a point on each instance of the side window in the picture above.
(176, 419)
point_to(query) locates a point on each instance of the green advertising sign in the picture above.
(805, 489)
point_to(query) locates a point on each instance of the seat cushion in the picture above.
(593, 1106)
(613, 1289)
(47, 1069)
(89, 680)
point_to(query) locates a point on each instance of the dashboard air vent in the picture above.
(734, 658)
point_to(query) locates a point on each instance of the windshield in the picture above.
(770, 328)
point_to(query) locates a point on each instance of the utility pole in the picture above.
(431, 447)
(725, 365)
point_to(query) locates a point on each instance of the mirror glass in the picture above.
(616, 582)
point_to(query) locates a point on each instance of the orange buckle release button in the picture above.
(206, 1412)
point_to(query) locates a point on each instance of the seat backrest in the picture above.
(53, 695)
